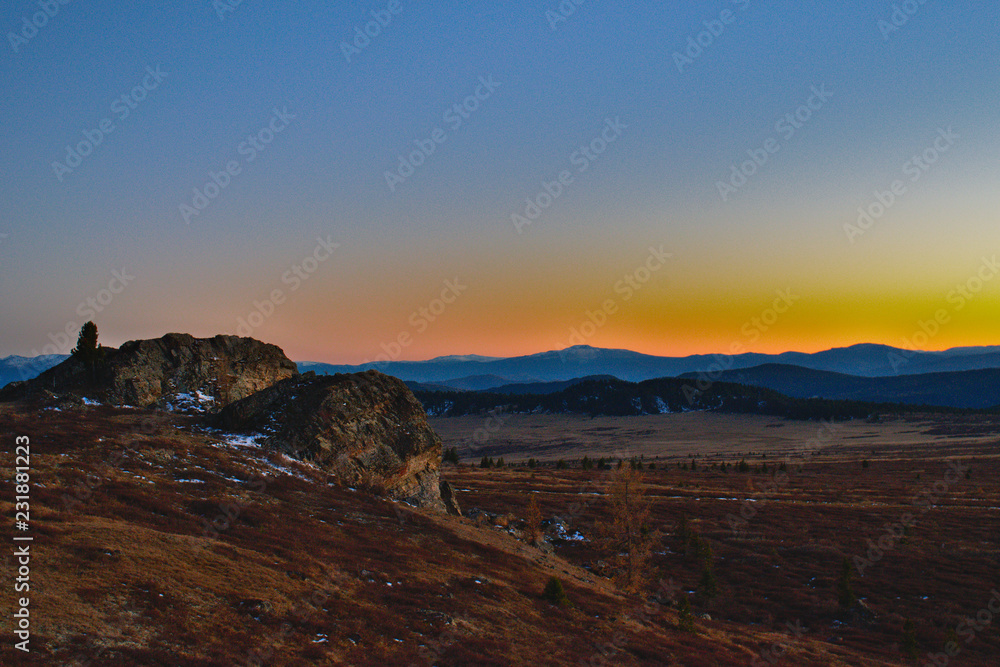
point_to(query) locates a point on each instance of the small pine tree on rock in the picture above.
(87, 349)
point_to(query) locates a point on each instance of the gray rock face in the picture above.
(448, 497)
(207, 373)
(227, 368)
(366, 429)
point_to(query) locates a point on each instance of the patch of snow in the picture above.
(191, 481)
(563, 534)
(199, 401)
(88, 401)
(237, 440)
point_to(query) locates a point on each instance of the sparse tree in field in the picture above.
(560, 465)
(487, 462)
(683, 531)
(626, 534)
(532, 463)
(845, 592)
(708, 588)
(500, 463)
(909, 640)
(450, 455)
(533, 520)
(694, 466)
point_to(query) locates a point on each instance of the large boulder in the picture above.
(177, 370)
(365, 429)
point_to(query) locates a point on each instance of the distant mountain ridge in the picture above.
(16, 368)
(515, 374)
(864, 360)
(976, 389)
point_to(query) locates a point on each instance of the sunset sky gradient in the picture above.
(556, 86)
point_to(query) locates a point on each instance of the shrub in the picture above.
(685, 619)
(555, 593)
(532, 520)
(845, 592)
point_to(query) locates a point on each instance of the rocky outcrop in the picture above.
(449, 499)
(177, 370)
(365, 429)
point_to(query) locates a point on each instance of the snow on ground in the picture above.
(198, 401)
(562, 534)
(254, 441)
(238, 440)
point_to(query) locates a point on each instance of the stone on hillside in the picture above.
(365, 429)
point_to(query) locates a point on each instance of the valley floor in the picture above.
(160, 542)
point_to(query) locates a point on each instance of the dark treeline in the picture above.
(614, 397)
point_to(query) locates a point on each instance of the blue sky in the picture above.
(557, 85)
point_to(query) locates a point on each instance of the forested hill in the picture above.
(663, 395)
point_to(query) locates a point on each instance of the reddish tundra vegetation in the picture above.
(159, 541)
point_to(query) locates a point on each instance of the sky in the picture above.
(415, 179)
